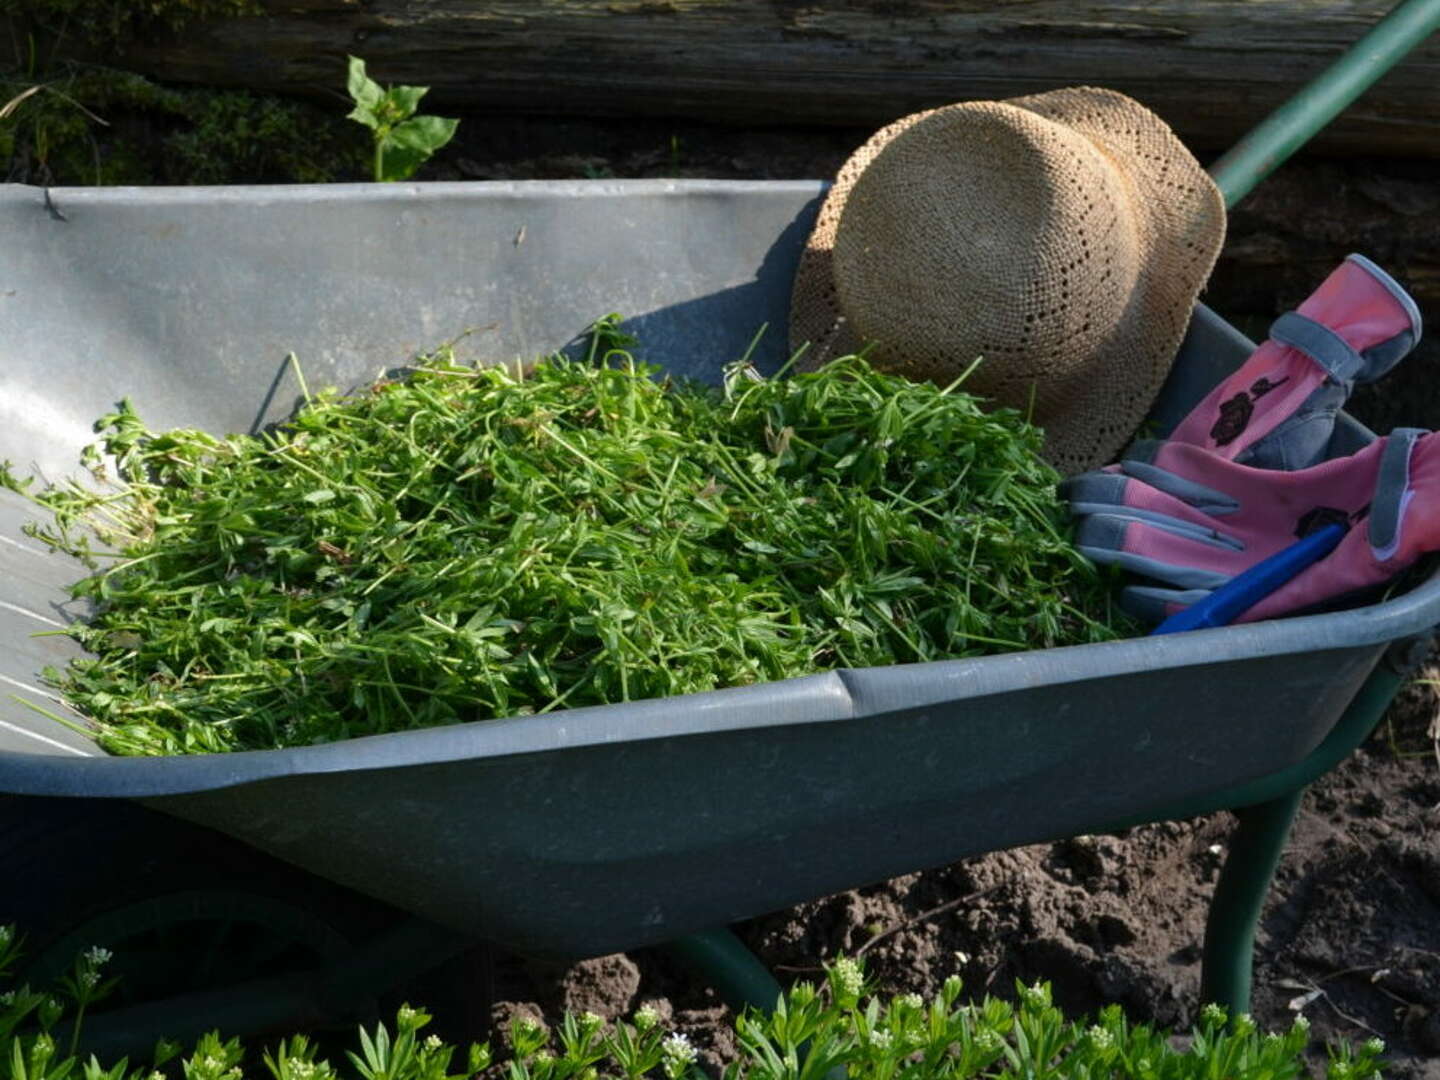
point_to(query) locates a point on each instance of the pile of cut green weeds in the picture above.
(468, 543)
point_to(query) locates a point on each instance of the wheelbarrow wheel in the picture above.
(199, 924)
(190, 941)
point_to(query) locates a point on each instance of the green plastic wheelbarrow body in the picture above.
(585, 832)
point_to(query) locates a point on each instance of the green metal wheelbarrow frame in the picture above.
(833, 714)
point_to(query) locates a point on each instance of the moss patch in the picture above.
(101, 126)
(65, 121)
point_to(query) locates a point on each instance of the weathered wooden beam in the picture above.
(1212, 68)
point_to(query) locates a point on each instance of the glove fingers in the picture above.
(1115, 492)
(1203, 533)
(1150, 604)
(1172, 555)
(1191, 492)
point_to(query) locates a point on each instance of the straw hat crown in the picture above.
(1062, 238)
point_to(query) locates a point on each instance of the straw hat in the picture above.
(1062, 237)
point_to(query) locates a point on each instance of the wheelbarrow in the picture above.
(594, 830)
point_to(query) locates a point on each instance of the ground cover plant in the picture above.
(466, 543)
(836, 1027)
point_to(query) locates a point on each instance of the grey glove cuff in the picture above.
(1392, 492)
(1336, 356)
(1302, 438)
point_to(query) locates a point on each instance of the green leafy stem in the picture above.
(403, 141)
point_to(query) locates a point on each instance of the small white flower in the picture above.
(1212, 1014)
(1244, 1024)
(1302, 1024)
(407, 1015)
(912, 1001)
(44, 1045)
(157, 1075)
(880, 1039)
(1100, 1038)
(848, 974)
(98, 957)
(6, 934)
(432, 1043)
(646, 1017)
(7, 999)
(1037, 997)
(678, 1053)
(589, 1019)
(90, 979)
(988, 1041)
(1375, 1046)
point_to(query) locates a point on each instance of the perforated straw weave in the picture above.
(1062, 238)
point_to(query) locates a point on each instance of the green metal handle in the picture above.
(1289, 127)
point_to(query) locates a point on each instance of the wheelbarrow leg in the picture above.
(1255, 849)
(735, 972)
(1264, 826)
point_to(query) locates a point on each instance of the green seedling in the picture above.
(468, 543)
(841, 1027)
(403, 141)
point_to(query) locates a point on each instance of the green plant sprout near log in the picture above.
(403, 141)
(839, 1026)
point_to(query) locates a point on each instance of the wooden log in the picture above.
(1211, 69)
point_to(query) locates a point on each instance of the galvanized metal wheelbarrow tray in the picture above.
(595, 830)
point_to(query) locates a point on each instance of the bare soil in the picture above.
(1351, 933)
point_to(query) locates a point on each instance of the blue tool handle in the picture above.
(1244, 591)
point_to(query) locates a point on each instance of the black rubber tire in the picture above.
(188, 910)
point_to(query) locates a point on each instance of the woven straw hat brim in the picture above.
(1180, 223)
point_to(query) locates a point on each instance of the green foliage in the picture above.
(235, 137)
(815, 1030)
(88, 125)
(473, 543)
(403, 141)
(812, 1032)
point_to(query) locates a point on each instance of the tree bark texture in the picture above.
(1211, 68)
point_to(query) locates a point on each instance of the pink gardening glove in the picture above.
(1278, 410)
(1222, 493)
(1200, 519)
